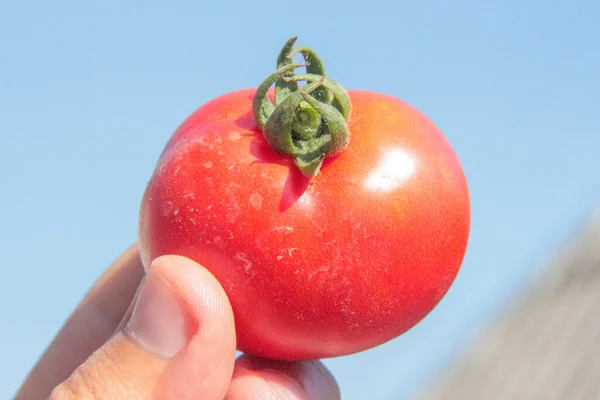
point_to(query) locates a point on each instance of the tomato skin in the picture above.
(314, 268)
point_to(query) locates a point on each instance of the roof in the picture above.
(547, 343)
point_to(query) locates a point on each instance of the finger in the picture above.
(179, 342)
(88, 327)
(257, 379)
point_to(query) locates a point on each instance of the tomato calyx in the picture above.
(308, 123)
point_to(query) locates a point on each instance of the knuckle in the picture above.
(100, 377)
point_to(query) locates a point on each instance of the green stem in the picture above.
(307, 123)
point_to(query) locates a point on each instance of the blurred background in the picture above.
(91, 91)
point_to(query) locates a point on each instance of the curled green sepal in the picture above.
(261, 104)
(340, 99)
(278, 128)
(307, 123)
(284, 87)
(314, 66)
(310, 167)
(335, 125)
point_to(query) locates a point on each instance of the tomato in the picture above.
(317, 266)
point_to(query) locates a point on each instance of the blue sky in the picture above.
(91, 91)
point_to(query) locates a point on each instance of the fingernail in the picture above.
(280, 386)
(318, 383)
(160, 322)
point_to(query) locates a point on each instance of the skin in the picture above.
(313, 268)
(91, 358)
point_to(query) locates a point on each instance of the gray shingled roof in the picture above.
(546, 345)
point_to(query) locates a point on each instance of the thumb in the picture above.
(178, 343)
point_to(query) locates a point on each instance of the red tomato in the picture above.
(316, 267)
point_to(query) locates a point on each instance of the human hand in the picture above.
(167, 335)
